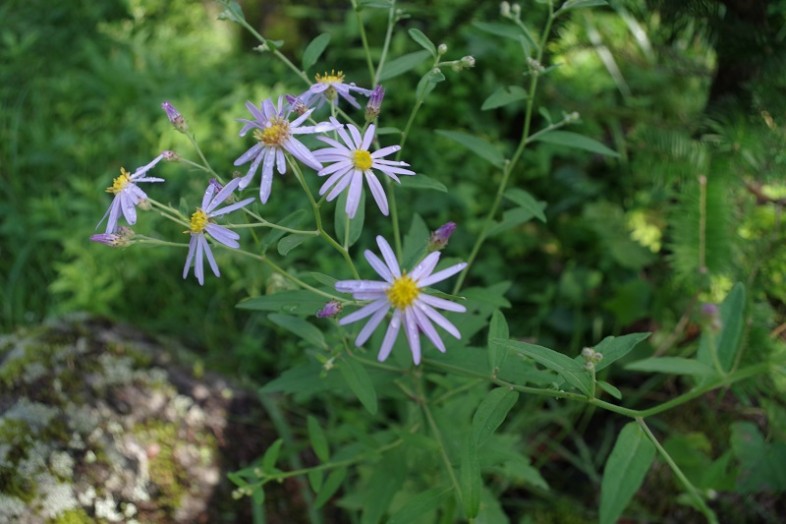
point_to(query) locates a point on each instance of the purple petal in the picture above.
(354, 194)
(438, 318)
(388, 256)
(210, 259)
(425, 267)
(231, 207)
(441, 303)
(378, 266)
(377, 192)
(439, 276)
(365, 311)
(368, 137)
(223, 235)
(427, 327)
(413, 335)
(192, 243)
(371, 325)
(358, 286)
(199, 269)
(390, 336)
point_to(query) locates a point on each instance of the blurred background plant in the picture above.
(693, 204)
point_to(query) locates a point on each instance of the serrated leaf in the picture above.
(614, 348)
(270, 457)
(526, 201)
(355, 224)
(402, 64)
(573, 372)
(427, 84)
(317, 438)
(671, 365)
(360, 383)
(512, 218)
(625, 470)
(491, 413)
(477, 145)
(314, 50)
(575, 141)
(498, 328)
(290, 242)
(422, 182)
(422, 40)
(503, 96)
(299, 327)
(295, 302)
(330, 486)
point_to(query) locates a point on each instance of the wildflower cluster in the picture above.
(351, 160)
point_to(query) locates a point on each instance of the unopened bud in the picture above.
(174, 116)
(440, 237)
(297, 105)
(330, 310)
(170, 156)
(468, 62)
(587, 353)
(504, 9)
(374, 106)
(121, 238)
(442, 49)
(710, 316)
(589, 365)
(515, 10)
(535, 67)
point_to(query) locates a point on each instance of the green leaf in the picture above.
(422, 40)
(469, 478)
(578, 4)
(503, 96)
(419, 505)
(576, 141)
(573, 372)
(360, 383)
(402, 64)
(671, 365)
(355, 224)
(317, 438)
(498, 328)
(305, 379)
(625, 470)
(387, 477)
(270, 457)
(512, 218)
(290, 242)
(492, 295)
(300, 302)
(497, 29)
(293, 220)
(422, 182)
(415, 242)
(375, 4)
(314, 50)
(732, 318)
(491, 413)
(300, 327)
(330, 486)
(427, 83)
(526, 201)
(478, 146)
(611, 390)
(325, 280)
(614, 348)
(315, 479)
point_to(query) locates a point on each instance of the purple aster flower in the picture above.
(198, 248)
(403, 293)
(328, 88)
(374, 105)
(349, 163)
(275, 134)
(440, 237)
(330, 310)
(128, 195)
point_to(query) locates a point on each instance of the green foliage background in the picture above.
(629, 245)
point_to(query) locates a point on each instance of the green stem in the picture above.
(198, 149)
(386, 45)
(511, 164)
(692, 491)
(364, 39)
(278, 54)
(437, 435)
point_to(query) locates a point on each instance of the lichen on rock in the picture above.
(97, 424)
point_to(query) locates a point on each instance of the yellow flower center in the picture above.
(403, 292)
(332, 78)
(362, 160)
(275, 135)
(198, 222)
(120, 182)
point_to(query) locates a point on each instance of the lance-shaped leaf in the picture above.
(314, 50)
(575, 141)
(626, 467)
(478, 146)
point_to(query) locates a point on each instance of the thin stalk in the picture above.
(702, 224)
(692, 491)
(275, 51)
(386, 44)
(510, 165)
(192, 139)
(363, 39)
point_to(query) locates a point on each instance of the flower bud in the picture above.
(468, 62)
(330, 310)
(121, 238)
(442, 49)
(504, 9)
(297, 104)
(170, 156)
(439, 238)
(710, 316)
(515, 9)
(174, 116)
(374, 106)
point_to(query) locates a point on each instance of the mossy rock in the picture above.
(100, 423)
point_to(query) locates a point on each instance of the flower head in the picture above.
(174, 116)
(120, 239)
(404, 294)
(330, 310)
(351, 161)
(128, 195)
(201, 224)
(275, 134)
(329, 87)
(374, 106)
(440, 237)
